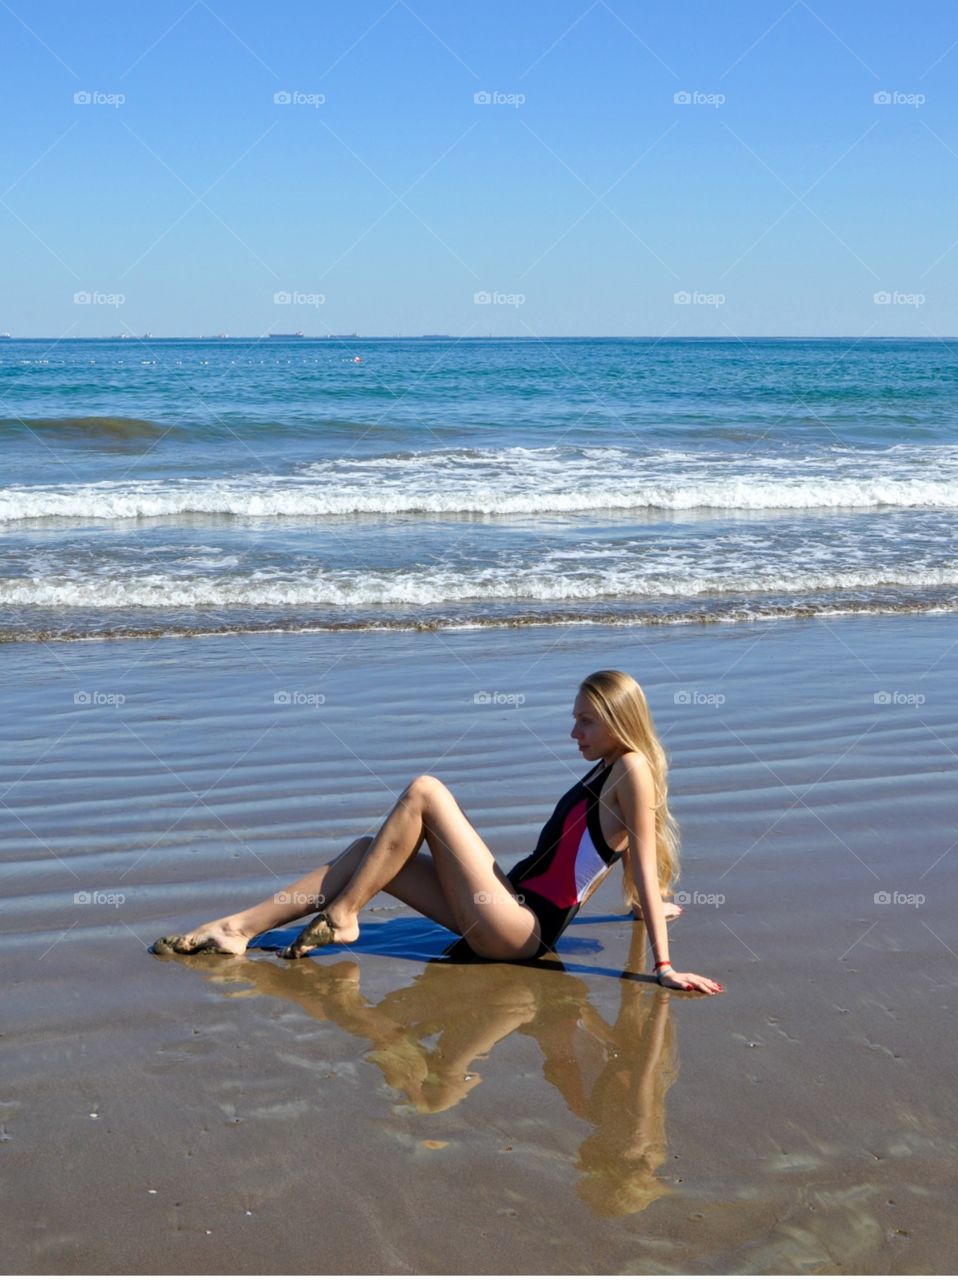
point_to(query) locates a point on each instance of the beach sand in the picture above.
(376, 1109)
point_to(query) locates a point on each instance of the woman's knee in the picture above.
(424, 788)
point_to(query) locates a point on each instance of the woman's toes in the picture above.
(165, 946)
(209, 940)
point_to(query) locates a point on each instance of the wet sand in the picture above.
(381, 1109)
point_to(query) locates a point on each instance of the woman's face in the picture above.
(594, 739)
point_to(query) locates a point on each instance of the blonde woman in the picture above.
(617, 812)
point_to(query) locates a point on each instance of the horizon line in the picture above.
(490, 337)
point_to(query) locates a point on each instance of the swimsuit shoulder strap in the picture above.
(600, 770)
(592, 785)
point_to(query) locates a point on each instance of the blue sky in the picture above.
(383, 198)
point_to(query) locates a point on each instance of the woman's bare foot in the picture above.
(330, 926)
(672, 911)
(225, 936)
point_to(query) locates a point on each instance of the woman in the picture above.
(619, 810)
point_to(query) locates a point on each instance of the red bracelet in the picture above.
(661, 962)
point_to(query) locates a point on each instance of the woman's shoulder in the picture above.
(629, 761)
(630, 764)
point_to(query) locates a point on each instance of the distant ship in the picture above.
(434, 335)
(4, 335)
(288, 335)
(343, 335)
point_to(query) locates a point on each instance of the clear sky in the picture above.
(181, 197)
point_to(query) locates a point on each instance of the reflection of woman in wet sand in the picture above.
(613, 1077)
(618, 811)
(626, 1104)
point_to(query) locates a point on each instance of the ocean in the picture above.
(188, 486)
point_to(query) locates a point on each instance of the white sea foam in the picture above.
(436, 587)
(459, 489)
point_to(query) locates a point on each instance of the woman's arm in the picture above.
(636, 799)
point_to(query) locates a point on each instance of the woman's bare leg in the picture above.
(480, 897)
(417, 885)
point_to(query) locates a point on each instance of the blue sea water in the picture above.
(236, 484)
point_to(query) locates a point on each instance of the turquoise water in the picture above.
(195, 485)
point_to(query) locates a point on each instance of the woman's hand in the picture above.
(690, 982)
(671, 911)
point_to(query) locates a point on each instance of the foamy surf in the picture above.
(431, 588)
(196, 485)
(519, 486)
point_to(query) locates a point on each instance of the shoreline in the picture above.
(786, 613)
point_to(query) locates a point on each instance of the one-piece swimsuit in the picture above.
(570, 855)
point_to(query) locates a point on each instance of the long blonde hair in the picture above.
(620, 704)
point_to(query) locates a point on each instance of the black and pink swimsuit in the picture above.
(570, 855)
